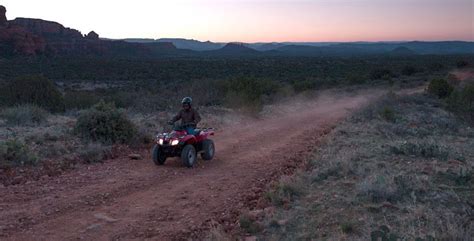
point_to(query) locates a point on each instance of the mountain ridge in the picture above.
(31, 37)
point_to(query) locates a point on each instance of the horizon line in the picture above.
(264, 42)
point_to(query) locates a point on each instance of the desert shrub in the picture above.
(385, 108)
(462, 63)
(80, 99)
(421, 149)
(24, 115)
(53, 150)
(348, 227)
(94, 152)
(461, 101)
(378, 188)
(461, 177)
(455, 101)
(388, 114)
(357, 79)
(285, 191)
(409, 70)
(323, 174)
(381, 74)
(217, 233)
(15, 153)
(248, 91)
(436, 66)
(84, 99)
(408, 184)
(105, 123)
(467, 95)
(303, 85)
(142, 137)
(312, 83)
(440, 88)
(32, 89)
(383, 233)
(249, 225)
(122, 98)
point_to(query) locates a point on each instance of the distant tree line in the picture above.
(156, 84)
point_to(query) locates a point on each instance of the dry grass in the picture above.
(217, 233)
(402, 167)
(52, 140)
(24, 115)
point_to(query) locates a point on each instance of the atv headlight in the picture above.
(174, 142)
(160, 141)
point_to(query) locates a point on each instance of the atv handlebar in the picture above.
(182, 126)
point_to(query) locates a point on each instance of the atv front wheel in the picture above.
(188, 155)
(208, 150)
(158, 156)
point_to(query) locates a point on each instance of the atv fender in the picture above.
(189, 139)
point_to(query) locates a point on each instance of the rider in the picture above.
(189, 117)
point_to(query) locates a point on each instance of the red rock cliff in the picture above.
(26, 36)
(17, 40)
(3, 17)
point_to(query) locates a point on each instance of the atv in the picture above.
(178, 143)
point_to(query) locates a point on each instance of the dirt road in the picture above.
(125, 199)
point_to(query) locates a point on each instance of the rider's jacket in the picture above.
(190, 116)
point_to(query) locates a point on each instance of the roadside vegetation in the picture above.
(105, 123)
(24, 115)
(400, 169)
(55, 115)
(32, 89)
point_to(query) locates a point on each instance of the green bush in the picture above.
(440, 88)
(461, 101)
(142, 137)
(388, 114)
(249, 225)
(15, 153)
(248, 91)
(32, 89)
(427, 150)
(80, 99)
(105, 123)
(347, 227)
(357, 79)
(24, 115)
(381, 74)
(306, 84)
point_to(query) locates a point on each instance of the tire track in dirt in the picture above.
(124, 199)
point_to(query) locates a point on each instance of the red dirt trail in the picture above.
(125, 199)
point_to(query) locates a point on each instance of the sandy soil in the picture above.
(125, 199)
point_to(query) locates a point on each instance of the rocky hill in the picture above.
(3, 17)
(26, 36)
(32, 37)
(233, 49)
(16, 39)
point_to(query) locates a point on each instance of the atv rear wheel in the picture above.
(188, 155)
(158, 156)
(208, 150)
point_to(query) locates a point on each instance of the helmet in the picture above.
(187, 100)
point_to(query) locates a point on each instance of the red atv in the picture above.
(179, 143)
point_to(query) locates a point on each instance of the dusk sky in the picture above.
(259, 21)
